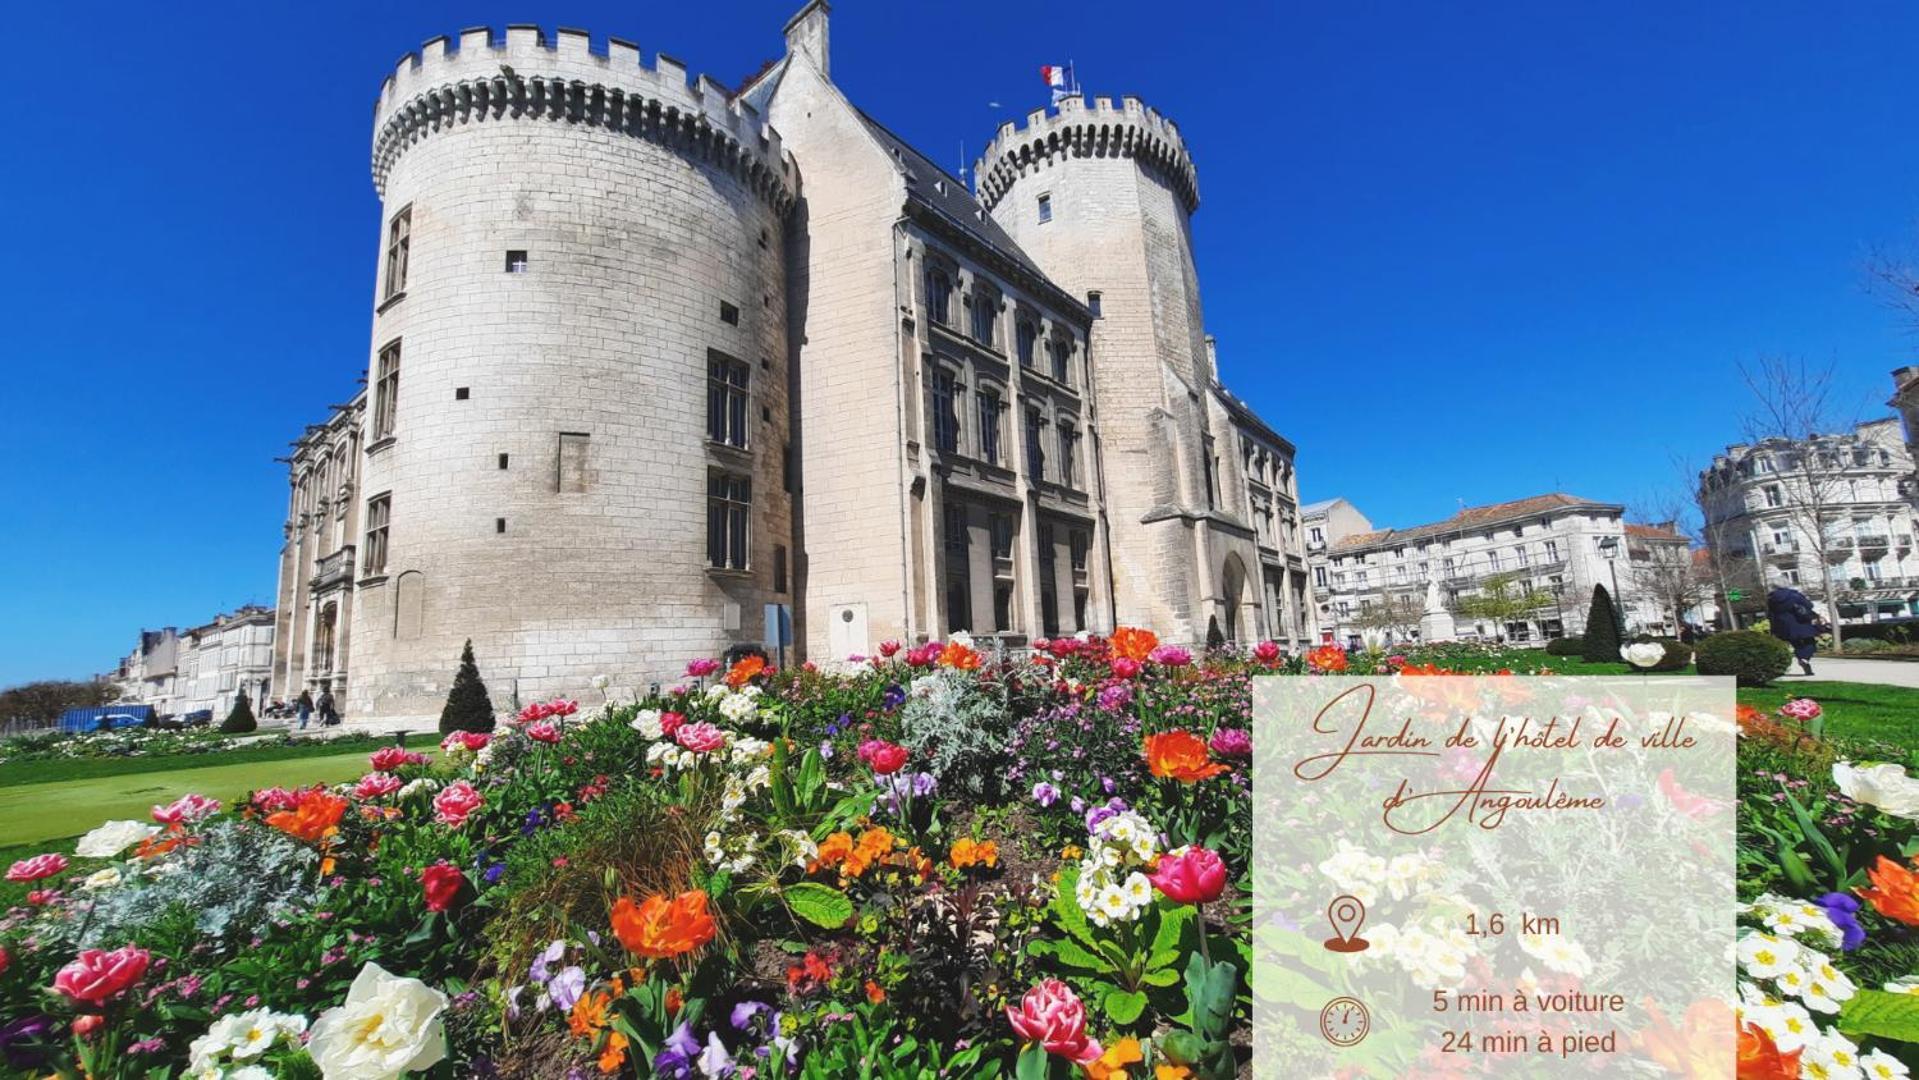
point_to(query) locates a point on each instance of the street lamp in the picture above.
(1609, 550)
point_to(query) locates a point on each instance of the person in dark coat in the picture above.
(1796, 622)
(328, 717)
(305, 708)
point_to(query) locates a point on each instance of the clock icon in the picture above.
(1344, 1021)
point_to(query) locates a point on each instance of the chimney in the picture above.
(806, 35)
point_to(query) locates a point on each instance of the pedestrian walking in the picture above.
(1796, 622)
(305, 708)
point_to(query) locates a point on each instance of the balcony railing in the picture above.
(334, 569)
(1869, 543)
(1782, 547)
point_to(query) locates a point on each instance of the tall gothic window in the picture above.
(939, 296)
(959, 571)
(1035, 452)
(729, 499)
(1068, 455)
(379, 515)
(990, 408)
(399, 239)
(945, 411)
(386, 392)
(986, 318)
(1026, 336)
(726, 399)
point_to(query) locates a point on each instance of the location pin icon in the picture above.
(1347, 915)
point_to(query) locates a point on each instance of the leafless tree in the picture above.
(1395, 613)
(1796, 433)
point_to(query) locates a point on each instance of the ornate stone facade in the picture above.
(658, 368)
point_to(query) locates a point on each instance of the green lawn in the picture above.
(1888, 714)
(39, 813)
(42, 772)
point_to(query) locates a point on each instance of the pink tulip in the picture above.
(701, 668)
(888, 648)
(40, 866)
(1232, 742)
(670, 722)
(375, 784)
(1051, 1015)
(883, 757)
(542, 731)
(389, 758)
(1190, 875)
(1125, 667)
(275, 798)
(97, 976)
(454, 803)
(701, 738)
(1171, 656)
(187, 808)
(1266, 652)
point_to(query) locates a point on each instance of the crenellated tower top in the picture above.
(1074, 129)
(572, 78)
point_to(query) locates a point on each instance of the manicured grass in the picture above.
(1869, 711)
(44, 772)
(40, 813)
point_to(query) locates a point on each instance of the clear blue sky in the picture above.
(1440, 249)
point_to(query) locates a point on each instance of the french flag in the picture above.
(1055, 76)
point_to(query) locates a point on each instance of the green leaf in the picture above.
(1881, 1014)
(1072, 954)
(1066, 909)
(1032, 1063)
(1124, 1006)
(1817, 838)
(1161, 976)
(1173, 921)
(820, 904)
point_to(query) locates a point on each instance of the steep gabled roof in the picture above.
(942, 192)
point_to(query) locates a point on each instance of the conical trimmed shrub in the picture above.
(1602, 629)
(467, 706)
(240, 719)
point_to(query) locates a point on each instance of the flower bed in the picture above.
(922, 863)
(923, 858)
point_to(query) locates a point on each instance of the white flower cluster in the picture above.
(1368, 877)
(1112, 888)
(1434, 954)
(237, 1039)
(1794, 919)
(1785, 979)
(670, 756)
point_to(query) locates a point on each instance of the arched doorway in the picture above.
(1233, 592)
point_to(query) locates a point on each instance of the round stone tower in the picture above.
(577, 381)
(1102, 197)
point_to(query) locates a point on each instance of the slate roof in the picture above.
(934, 187)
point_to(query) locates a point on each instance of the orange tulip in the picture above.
(742, 672)
(1111, 1065)
(614, 1054)
(660, 929)
(1180, 755)
(589, 1014)
(314, 818)
(1694, 1048)
(1760, 1059)
(1134, 643)
(1327, 659)
(959, 657)
(1894, 892)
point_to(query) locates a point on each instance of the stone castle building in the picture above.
(659, 368)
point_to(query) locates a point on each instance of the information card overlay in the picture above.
(1493, 876)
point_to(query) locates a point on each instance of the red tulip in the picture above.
(1191, 875)
(884, 757)
(441, 883)
(97, 977)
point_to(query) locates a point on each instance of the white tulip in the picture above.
(1643, 654)
(112, 838)
(1884, 786)
(388, 1026)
